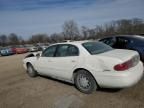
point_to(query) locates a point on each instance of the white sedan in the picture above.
(87, 64)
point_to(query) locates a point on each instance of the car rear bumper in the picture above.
(121, 79)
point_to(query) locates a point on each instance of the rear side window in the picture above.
(96, 47)
(67, 50)
(73, 51)
(62, 51)
(50, 51)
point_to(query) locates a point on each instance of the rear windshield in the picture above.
(96, 47)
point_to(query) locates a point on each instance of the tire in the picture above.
(31, 71)
(85, 82)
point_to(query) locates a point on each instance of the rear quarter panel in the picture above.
(97, 65)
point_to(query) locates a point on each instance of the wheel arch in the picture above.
(28, 63)
(76, 70)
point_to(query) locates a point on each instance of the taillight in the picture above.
(122, 67)
(128, 64)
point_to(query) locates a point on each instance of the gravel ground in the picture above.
(18, 90)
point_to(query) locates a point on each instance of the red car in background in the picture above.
(13, 50)
(18, 49)
(21, 50)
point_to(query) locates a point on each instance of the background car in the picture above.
(87, 64)
(21, 50)
(32, 49)
(6, 51)
(43, 48)
(131, 42)
(13, 48)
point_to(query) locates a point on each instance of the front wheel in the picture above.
(85, 82)
(31, 71)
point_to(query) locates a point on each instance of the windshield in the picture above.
(96, 47)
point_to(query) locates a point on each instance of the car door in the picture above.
(44, 63)
(121, 43)
(66, 58)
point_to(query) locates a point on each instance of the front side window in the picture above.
(50, 51)
(73, 51)
(96, 47)
(109, 41)
(121, 42)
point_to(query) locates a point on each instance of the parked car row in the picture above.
(10, 50)
(91, 64)
(6, 51)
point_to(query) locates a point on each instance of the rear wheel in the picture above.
(31, 71)
(85, 82)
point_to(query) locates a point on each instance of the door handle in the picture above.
(73, 61)
(49, 60)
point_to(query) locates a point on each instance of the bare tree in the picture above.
(39, 38)
(21, 40)
(13, 39)
(85, 32)
(70, 30)
(3, 40)
(138, 26)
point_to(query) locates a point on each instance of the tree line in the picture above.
(71, 31)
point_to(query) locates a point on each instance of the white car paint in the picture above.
(99, 65)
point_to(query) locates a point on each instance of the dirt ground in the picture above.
(18, 90)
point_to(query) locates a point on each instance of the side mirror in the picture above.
(38, 55)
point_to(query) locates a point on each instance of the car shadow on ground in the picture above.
(110, 90)
(57, 80)
(107, 90)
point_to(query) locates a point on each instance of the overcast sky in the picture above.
(27, 17)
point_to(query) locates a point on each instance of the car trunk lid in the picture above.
(126, 58)
(121, 54)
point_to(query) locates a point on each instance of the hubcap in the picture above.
(84, 81)
(30, 70)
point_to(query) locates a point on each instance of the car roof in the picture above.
(74, 42)
(127, 36)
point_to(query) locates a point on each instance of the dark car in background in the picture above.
(131, 42)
